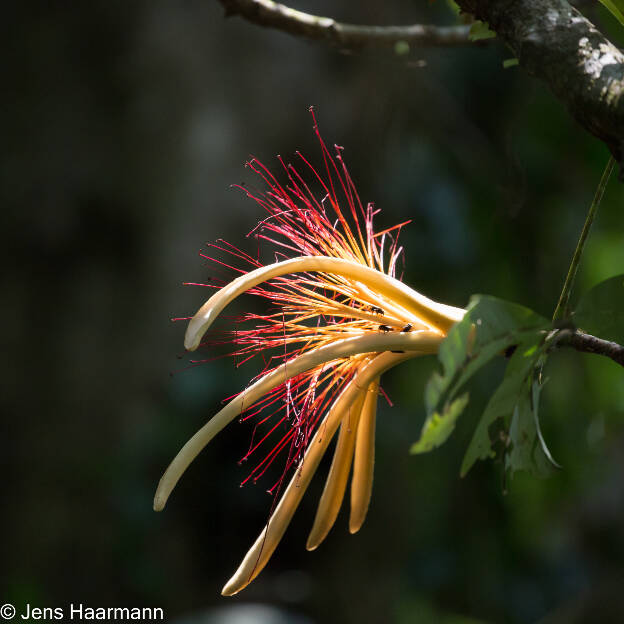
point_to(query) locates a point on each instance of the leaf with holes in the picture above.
(504, 400)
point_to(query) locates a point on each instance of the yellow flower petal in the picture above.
(267, 541)
(423, 342)
(438, 316)
(364, 460)
(336, 483)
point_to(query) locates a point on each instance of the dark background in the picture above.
(123, 125)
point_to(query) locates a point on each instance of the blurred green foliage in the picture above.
(601, 310)
(124, 125)
(616, 8)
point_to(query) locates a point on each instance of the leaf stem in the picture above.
(561, 311)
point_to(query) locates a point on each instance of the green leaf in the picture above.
(535, 392)
(453, 6)
(616, 7)
(601, 310)
(480, 30)
(510, 62)
(504, 400)
(495, 318)
(439, 427)
(489, 327)
(528, 450)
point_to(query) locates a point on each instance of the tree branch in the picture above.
(345, 36)
(550, 38)
(591, 344)
(554, 42)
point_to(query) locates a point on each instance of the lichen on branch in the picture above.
(556, 43)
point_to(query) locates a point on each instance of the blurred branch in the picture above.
(278, 16)
(554, 42)
(591, 344)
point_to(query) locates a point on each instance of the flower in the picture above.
(342, 320)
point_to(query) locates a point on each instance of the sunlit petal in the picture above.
(423, 342)
(364, 460)
(335, 486)
(438, 316)
(264, 546)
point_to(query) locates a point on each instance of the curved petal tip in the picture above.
(192, 338)
(231, 588)
(312, 545)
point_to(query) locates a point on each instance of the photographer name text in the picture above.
(82, 612)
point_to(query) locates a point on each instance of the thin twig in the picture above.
(344, 36)
(561, 311)
(590, 344)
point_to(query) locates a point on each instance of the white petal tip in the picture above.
(198, 325)
(230, 589)
(191, 342)
(159, 501)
